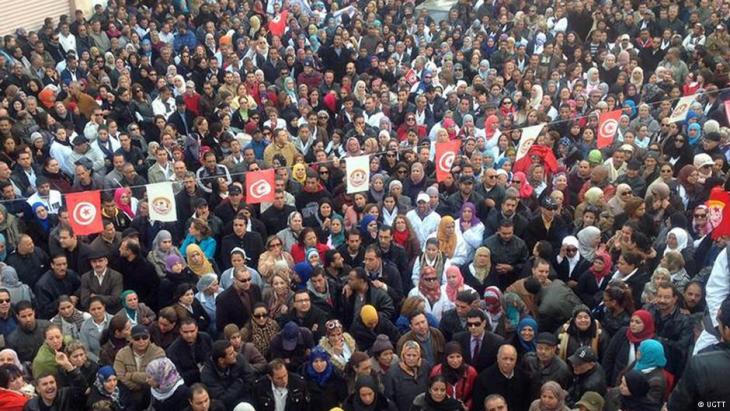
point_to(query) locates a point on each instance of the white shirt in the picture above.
(162, 108)
(52, 203)
(68, 43)
(280, 395)
(423, 227)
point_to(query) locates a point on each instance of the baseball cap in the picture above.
(422, 197)
(582, 356)
(547, 338)
(80, 139)
(234, 190)
(466, 179)
(190, 84)
(713, 136)
(140, 330)
(290, 336)
(548, 203)
(591, 400)
(180, 101)
(702, 160)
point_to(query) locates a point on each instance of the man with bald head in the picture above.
(503, 378)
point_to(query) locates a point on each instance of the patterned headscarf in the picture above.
(163, 372)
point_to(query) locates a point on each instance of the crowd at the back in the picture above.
(566, 277)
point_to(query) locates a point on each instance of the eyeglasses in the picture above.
(276, 245)
(260, 315)
(491, 177)
(324, 172)
(410, 119)
(696, 216)
(470, 324)
(429, 279)
(141, 337)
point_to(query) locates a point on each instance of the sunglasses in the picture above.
(245, 280)
(473, 324)
(260, 315)
(429, 279)
(4, 300)
(516, 181)
(275, 245)
(696, 216)
(141, 337)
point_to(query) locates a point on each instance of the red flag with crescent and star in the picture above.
(718, 206)
(607, 126)
(84, 212)
(260, 186)
(445, 156)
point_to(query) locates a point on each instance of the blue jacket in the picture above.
(208, 245)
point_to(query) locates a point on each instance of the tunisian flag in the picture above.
(444, 159)
(84, 212)
(607, 126)
(719, 207)
(260, 186)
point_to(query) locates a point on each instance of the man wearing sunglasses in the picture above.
(131, 361)
(480, 345)
(304, 314)
(235, 304)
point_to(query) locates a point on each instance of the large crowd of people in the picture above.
(577, 274)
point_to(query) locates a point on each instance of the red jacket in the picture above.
(12, 400)
(463, 387)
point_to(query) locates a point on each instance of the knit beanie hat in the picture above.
(369, 315)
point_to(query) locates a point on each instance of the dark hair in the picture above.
(668, 285)
(467, 296)
(275, 364)
(414, 314)
(360, 273)
(218, 349)
(197, 388)
(96, 299)
(303, 234)
(474, 313)
(8, 373)
(117, 323)
(506, 223)
(23, 305)
(373, 248)
(169, 314)
(544, 250)
(631, 258)
(134, 248)
(621, 293)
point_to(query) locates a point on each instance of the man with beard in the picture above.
(30, 333)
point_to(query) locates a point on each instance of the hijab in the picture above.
(172, 260)
(126, 208)
(377, 195)
(647, 332)
(452, 291)
(586, 239)
(491, 125)
(132, 314)
(480, 273)
(557, 391)
(102, 376)
(493, 299)
(338, 239)
(607, 262)
(702, 229)
(528, 346)
(199, 269)
(366, 220)
(430, 289)
(474, 219)
(43, 222)
(161, 236)
(447, 244)
(163, 372)
(639, 387)
(365, 381)
(682, 239)
(318, 353)
(526, 189)
(652, 356)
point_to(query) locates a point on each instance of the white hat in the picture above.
(423, 197)
(703, 159)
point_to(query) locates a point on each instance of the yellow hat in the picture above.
(369, 315)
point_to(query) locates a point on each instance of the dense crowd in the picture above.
(575, 275)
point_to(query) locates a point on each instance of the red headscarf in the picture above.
(126, 208)
(452, 291)
(526, 189)
(648, 331)
(606, 265)
(430, 289)
(490, 126)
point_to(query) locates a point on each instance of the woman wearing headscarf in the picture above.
(208, 290)
(674, 263)
(107, 389)
(186, 306)
(552, 398)
(582, 330)
(367, 396)
(452, 285)
(40, 225)
(9, 280)
(429, 290)
(651, 362)
(135, 311)
(479, 274)
(458, 375)
(431, 257)
(527, 331)
(471, 230)
(377, 188)
(9, 231)
(290, 235)
(594, 281)
(176, 273)
(327, 387)
(404, 236)
(321, 221)
(588, 240)
(197, 261)
(617, 202)
(409, 378)
(634, 390)
(124, 201)
(167, 387)
(162, 248)
(625, 344)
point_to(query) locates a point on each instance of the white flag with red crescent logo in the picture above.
(260, 186)
(607, 126)
(358, 173)
(680, 111)
(445, 156)
(84, 212)
(527, 139)
(161, 200)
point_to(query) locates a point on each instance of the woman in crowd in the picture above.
(186, 306)
(618, 305)
(471, 230)
(458, 376)
(45, 361)
(404, 236)
(69, 318)
(338, 344)
(582, 331)
(107, 389)
(325, 383)
(436, 397)
(430, 292)
(198, 262)
(93, 327)
(383, 356)
(650, 362)
(161, 249)
(592, 283)
(290, 235)
(479, 274)
(410, 378)
(136, 311)
(277, 296)
(432, 257)
(527, 331)
(168, 388)
(261, 329)
(367, 396)
(274, 253)
(199, 235)
(552, 398)
(625, 344)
